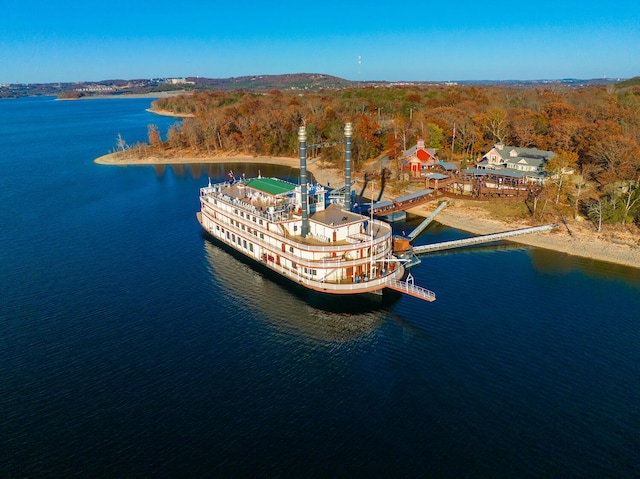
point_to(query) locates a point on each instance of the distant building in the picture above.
(179, 81)
(528, 161)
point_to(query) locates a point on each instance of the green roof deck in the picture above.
(271, 186)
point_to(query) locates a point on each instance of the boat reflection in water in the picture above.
(286, 305)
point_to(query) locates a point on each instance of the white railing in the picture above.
(412, 289)
(377, 254)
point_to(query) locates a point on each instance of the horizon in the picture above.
(511, 80)
(41, 42)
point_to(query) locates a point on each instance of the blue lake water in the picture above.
(133, 346)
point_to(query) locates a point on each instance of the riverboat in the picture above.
(294, 231)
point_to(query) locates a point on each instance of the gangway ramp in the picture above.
(428, 248)
(420, 228)
(411, 289)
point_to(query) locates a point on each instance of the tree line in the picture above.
(595, 130)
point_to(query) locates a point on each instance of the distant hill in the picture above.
(293, 81)
(631, 82)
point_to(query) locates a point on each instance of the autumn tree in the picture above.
(153, 135)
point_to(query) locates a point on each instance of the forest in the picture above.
(594, 131)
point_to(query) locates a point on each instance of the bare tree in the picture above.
(564, 163)
(121, 144)
(596, 212)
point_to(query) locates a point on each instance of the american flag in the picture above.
(454, 130)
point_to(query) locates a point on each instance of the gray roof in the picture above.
(334, 215)
(448, 166)
(437, 176)
(412, 151)
(414, 195)
(528, 160)
(500, 172)
(527, 153)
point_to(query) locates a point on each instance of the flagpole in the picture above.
(453, 139)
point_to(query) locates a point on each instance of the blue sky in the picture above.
(421, 41)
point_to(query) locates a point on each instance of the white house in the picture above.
(529, 161)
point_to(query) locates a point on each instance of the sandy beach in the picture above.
(577, 239)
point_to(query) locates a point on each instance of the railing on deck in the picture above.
(412, 290)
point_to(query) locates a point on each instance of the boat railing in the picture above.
(411, 289)
(372, 284)
(320, 238)
(377, 246)
(272, 215)
(358, 238)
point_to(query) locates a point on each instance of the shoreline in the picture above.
(131, 96)
(577, 240)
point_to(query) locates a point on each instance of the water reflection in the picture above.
(555, 263)
(219, 171)
(287, 307)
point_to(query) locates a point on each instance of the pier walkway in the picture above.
(428, 248)
(403, 203)
(420, 228)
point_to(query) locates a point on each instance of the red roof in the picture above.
(423, 155)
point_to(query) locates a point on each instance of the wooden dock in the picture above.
(428, 248)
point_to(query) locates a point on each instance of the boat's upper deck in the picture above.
(277, 201)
